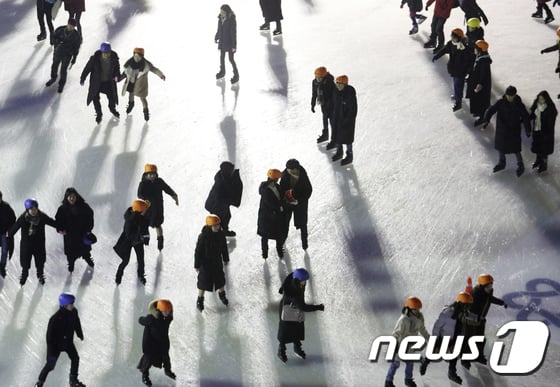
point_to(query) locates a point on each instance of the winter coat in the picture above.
(136, 75)
(471, 9)
(480, 74)
(294, 294)
(76, 221)
(345, 109)
(555, 47)
(410, 324)
(474, 35)
(508, 124)
(61, 328)
(302, 191)
(322, 93)
(271, 212)
(451, 321)
(460, 61)
(211, 250)
(226, 34)
(93, 68)
(543, 139)
(271, 10)
(153, 191)
(32, 235)
(155, 340)
(443, 7)
(226, 191)
(74, 6)
(7, 217)
(66, 42)
(135, 230)
(482, 300)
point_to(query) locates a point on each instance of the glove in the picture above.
(312, 109)
(557, 70)
(485, 124)
(402, 5)
(176, 198)
(116, 78)
(82, 83)
(555, 3)
(216, 41)
(427, 8)
(505, 306)
(485, 20)
(433, 59)
(73, 61)
(321, 307)
(81, 337)
(146, 239)
(233, 50)
(62, 232)
(542, 52)
(162, 77)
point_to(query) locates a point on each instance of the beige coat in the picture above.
(140, 79)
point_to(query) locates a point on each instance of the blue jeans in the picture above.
(409, 367)
(4, 244)
(458, 87)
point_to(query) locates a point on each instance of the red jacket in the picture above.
(443, 7)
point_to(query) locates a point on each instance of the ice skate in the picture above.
(537, 15)
(223, 298)
(41, 278)
(322, 138)
(200, 303)
(146, 379)
(98, 117)
(220, 74)
(299, 350)
(331, 145)
(170, 374)
(118, 278)
(337, 156)
(129, 107)
(518, 172)
(420, 18)
(430, 44)
(3, 272)
(348, 159)
(71, 266)
(414, 30)
(424, 366)
(23, 279)
(466, 364)
(60, 88)
(230, 233)
(146, 115)
(454, 377)
(282, 354)
(160, 242)
(389, 383)
(457, 106)
(280, 251)
(277, 32)
(115, 113)
(142, 279)
(89, 261)
(548, 19)
(74, 382)
(41, 36)
(500, 166)
(409, 383)
(265, 254)
(50, 82)
(265, 27)
(235, 78)
(542, 167)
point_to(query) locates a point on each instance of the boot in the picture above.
(50, 82)
(299, 350)
(74, 382)
(337, 156)
(331, 145)
(41, 278)
(414, 30)
(118, 277)
(282, 353)
(3, 271)
(518, 172)
(115, 113)
(146, 115)
(280, 251)
(141, 278)
(23, 278)
(146, 379)
(98, 117)
(424, 365)
(70, 265)
(265, 254)
(500, 166)
(200, 303)
(41, 36)
(542, 167)
(160, 242)
(223, 298)
(323, 137)
(537, 15)
(265, 27)
(548, 19)
(170, 373)
(220, 74)
(409, 383)
(89, 261)
(230, 233)
(348, 159)
(129, 107)
(389, 383)
(235, 78)
(39, 383)
(454, 377)
(430, 44)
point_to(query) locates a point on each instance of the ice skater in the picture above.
(344, 119)
(414, 6)
(66, 41)
(479, 83)
(272, 11)
(541, 5)
(7, 220)
(270, 221)
(322, 93)
(226, 38)
(543, 115)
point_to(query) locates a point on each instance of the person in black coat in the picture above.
(541, 5)
(511, 113)
(226, 191)
(210, 255)
(44, 12)
(270, 221)
(345, 109)
(134, 235)
(479, 82)
(105, 71)
(226, 38)
(474, 33)
(458, 65)
(322, 93)
(292, 330)
(472, 9)
(7, 220)
(60, 338)
(543, 114)
(66, 41)
(271, 11)
(151, 189)
(32, 244)
(297, 189)
(74, 220)
(155, 340)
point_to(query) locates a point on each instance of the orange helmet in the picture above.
(138, 50)
(274, 174)
(289, 194)
(413, 303)
(459, 32)
(321, 72)
(482, 44)
(558, 32)
(139, 205)
(150, 168)
(164, 305)
(464, 298)
(212, 220)
(342, 79)
(485, 279)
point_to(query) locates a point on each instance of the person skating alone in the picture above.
(271, 11)
(292, 309)
(210, 256)
(60, 338)
(226, 191)
(322, 93)
(543, 115)
(74, 220)
(151, 188)
(442, 11)
(155, 340)
(270, 221)
(479, 83)
(7, 220)
(226, 38)
(44, 12)
(414, 6)
(66, 41)
(541, 5)
(136, 71)
(345, 110)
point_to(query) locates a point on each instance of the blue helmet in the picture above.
(105, 47)
(30, 203)
(66, 299)
(301, 274)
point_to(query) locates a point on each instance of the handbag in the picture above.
(292, 313)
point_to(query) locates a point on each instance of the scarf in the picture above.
(320, 92)
(459, 45)
(274, 190)
(540, 108)
(33, 223)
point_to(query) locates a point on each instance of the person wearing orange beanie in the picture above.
(344, 119)
(271, 218)
(322, 93)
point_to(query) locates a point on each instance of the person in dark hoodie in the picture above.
(458, 65)
(155, 340)
(7, 220)
(151, 189)
(105, 71)
(66, 41)
(322, 92)
(74, 220)
(134, 236)
(297, 189)
(226, 38)
(210, 256)
(511, 114)
(345, 109)
(270, 221)
(226, 191)
(479, 82)
(60, 338)
(291, 312)
(543, 114)
(32, 223)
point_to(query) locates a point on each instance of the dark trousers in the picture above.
(44, 10)
(77, 16)
(326, 120)
(52, 357)
(288, 211)
(25, 262)
(502, 160)
(106, 88)
(4, 243)
(146, 363)
(231, 60)
(63, 62)
(541, 6)
(437, 31)
(139, 250)
(458, 89)
(279, 244)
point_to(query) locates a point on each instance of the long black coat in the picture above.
(302, 191)
(226, 191)
(543, 139)
(32, 236)
(345, 110)
(460, 60)
(271, 10)
(226, 34)
(155, 340)
(134, 229)
(480, 74)
(270, 221)
(210, 253)
(61, 328)
(76, 220)
(322, 93)
(482, 300)
(508, 124)
(153, 191)
(7, 220)
(93, 69)
(293, 293)
(66, 43)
